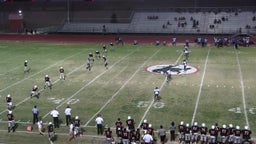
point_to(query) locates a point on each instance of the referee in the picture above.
(35, 113)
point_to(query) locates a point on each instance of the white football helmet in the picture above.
(10, 112)
(150, 125)
(76, 117)
(203, 124)
(50, 123)
(129, 117)
(195, 123)
(237, 127)
(145, 121)
(8, 95)
(224, 126)
(181, 123)
(246, 127)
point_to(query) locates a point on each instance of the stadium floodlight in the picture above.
(20, 12)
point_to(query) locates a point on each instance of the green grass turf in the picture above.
(225, 80)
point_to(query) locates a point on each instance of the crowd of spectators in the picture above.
(152, 17)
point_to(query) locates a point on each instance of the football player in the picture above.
(223, 134)
(9, 102)
(185, 63)
(231, 134)
(130, 123)
(62, 75)
(34, 92)
(88, 64)
(11, 122)
(156, 93)
(212, 132)
(50, 132)
(126, 136)
(186, 52)
(105, 62)
(181, 129)
(168, 74)
(26, 68)
(195, 133)
(119, 125)
(109, 136)
(144, 127)
(97, 54)
(187, 133)
(47, 82)
(77, 129)
(91, 57)
(104, 50)
(237, 135)
(246, 135)
(203, 132)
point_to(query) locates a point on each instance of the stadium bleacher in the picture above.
(134, 16)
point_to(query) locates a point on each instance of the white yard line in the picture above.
(38, 72)
(152, 102)
(82, 88)
(242, 88)
(26, 99)
(121, 88)
(201, 85)
(15, 68)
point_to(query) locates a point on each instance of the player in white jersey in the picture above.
(168, 76)
(156, 93)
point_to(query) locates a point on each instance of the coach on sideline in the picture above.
(55, 115)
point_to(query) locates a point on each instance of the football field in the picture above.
(218, 87)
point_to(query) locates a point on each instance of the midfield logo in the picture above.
(175, 69)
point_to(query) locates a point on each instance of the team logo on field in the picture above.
(175, 69)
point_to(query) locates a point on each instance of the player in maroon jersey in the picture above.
(187, 133)
(231, 134)
(130, 123)
(11, 122)
(223, 134)
(195, 133)
(109, 136)
(181, 129)
(212, 132)
(237, 134)
(203, 131)
(144, 127)
(47, 82)
(246, 135)
(126, 136)
(119, 135)
(77, 129)
(150, 130)
(119, 125)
